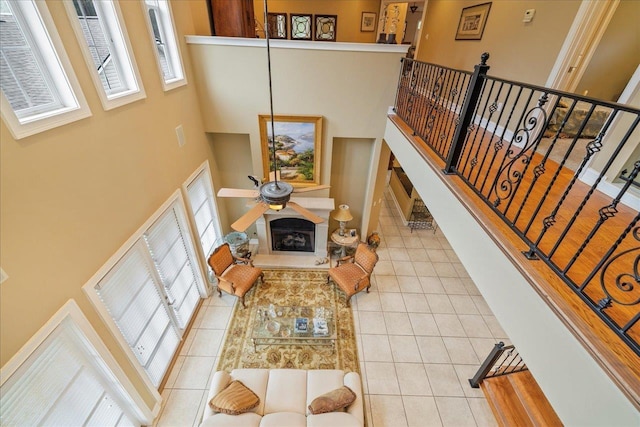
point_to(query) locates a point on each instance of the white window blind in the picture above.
(201, 202)
(173, 254)
(61, 384)
(131, 295)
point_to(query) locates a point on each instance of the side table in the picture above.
(349, 239)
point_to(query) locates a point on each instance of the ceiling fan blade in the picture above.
(306, 189)
(250, 217)
(305, 212)
(237, 192)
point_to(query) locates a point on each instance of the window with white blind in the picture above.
(100, 30)
(203, 209)
(132, 296)
(39, 88)
(62, 378)
(172, 252)
(163, 36)
(149, 290)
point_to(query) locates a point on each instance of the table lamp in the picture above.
(343, 215)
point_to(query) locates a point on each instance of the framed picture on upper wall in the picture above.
(472, 22)
(301, 27)
(277, 25)
(368, 23)
(326, 27)
(297, 148)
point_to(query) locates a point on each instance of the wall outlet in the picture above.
(180, 135)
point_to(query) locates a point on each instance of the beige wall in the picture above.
(200, 13)
(519, 51)
(350, 164)
(351, 90)
(71, 196)
(616, 57)
(349, 14)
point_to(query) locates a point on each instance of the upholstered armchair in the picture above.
(353, 273)
(236, 276)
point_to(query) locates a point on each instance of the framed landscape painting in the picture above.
(297, 148)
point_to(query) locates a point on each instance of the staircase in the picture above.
(517, 400)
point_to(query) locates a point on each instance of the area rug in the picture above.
(290, 288)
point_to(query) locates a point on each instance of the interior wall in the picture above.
(349, 15)
(71, 196)
(232, 154)
(519, 51)
(380, 186)
(349, 155)
(233, 85)
(200, 13)
(616, 57)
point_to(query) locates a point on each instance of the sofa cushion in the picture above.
(338, 398)
(333, 419)
(256, 380)
(321, 381)
(248, 419)
(286, 391)
(284, 419)
(234, 399)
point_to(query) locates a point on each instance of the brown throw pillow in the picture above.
(234, 399)
(335, 399)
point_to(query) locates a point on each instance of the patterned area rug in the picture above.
(290, 288)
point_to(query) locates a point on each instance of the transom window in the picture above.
(39, 88)
(163, 36)
(105, 45)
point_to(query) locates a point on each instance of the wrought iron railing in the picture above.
(502, 360)
(540, 158)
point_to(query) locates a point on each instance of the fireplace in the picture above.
(292, 235)
(286, 232)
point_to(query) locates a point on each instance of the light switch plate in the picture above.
(180, 135)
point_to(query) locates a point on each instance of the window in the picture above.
(163, 36)
(66, 376)
(106, 48)
(39, 89)
(204, 212)
(148, 292)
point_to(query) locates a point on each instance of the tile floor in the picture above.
(422, 331)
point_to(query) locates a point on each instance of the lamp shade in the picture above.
(343, 214)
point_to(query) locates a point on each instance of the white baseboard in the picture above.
(589, 177)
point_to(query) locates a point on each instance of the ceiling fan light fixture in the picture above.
(276, 194)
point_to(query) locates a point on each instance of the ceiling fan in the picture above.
(274, 194)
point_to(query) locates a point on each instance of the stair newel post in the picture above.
(466, 114)
(486, 366)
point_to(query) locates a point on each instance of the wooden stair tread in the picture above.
(504, 402)
(517, 400)
(534, 400)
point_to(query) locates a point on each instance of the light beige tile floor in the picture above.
(422, 331)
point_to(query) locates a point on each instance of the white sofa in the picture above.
(285, 395)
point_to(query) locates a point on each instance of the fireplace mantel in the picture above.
(321, 206)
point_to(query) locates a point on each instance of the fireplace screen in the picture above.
(293, 235)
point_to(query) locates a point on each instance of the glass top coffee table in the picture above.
(293, 325)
